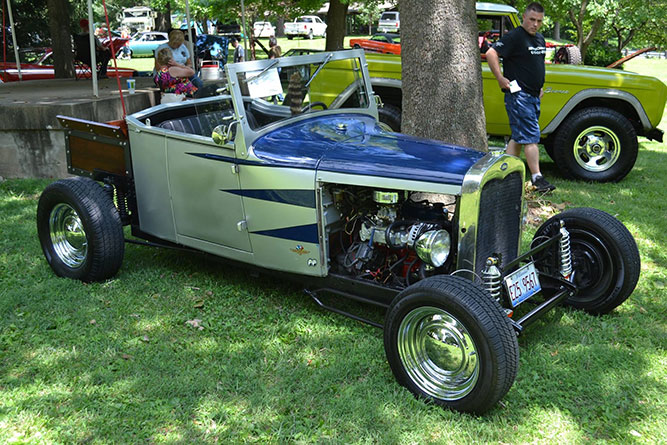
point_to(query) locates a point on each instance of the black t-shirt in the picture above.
(523, 59)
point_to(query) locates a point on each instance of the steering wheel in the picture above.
(313, 104)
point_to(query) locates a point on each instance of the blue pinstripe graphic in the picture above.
(305, 234)
(302, 198)
(212, 157)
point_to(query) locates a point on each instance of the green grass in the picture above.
(117, 362)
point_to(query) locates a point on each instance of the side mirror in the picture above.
(222, 134)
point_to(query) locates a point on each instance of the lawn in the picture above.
(180, 348)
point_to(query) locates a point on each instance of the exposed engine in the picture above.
(388, 236)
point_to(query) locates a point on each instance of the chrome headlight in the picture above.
(433, 247)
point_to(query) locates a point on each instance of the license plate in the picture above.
(522, 284)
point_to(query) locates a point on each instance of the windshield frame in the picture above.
(234, 89)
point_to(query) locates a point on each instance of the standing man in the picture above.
(239, 53)
(102, 53)
(180, 53)
(523, 50)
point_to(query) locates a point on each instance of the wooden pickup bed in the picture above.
(95, 148)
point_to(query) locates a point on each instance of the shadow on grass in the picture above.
(116, 361)
(269, 364)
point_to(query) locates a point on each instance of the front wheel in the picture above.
(605, 258)
(595, 144)
(80, 230)
(448, 341)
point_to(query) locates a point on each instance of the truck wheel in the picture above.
(595, 144)
(80, 230)
(449, 342)
(390, 115)
(569, 54)
(549, 146)
(605, 258)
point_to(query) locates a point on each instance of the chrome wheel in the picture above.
(68, 235)
(438, 353)
(597, 149)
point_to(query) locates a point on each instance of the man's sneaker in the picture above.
(542, 185)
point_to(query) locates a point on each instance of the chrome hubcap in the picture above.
(68, 236)
(438, 353)
(596, 149)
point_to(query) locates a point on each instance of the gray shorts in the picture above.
(523, 111)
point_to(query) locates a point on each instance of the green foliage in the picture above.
(600, 54)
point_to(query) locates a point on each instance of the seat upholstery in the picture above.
(199, 124)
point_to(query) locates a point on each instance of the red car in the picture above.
(379, 43)
(37, 63)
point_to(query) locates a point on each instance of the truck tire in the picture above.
(605, 258)
(595, 144)
(390, 115)
(80, 230)
(549, 146)
(449, 342)
(570, 55)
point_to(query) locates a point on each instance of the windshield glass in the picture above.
(277, 89)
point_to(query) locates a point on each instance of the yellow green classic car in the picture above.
(590, 118)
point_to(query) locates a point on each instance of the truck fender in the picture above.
(602, 93)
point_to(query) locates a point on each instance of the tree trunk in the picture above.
(280, 27)
(442, 79)
(335, 25)
(63, 59)
(163, 19)
(557, 30)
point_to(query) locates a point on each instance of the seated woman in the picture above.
(173, 78)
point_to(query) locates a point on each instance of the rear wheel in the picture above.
(595, 144)
(80, 230)
(448, 341)
(605, 258)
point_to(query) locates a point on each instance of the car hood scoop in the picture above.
(355, 144)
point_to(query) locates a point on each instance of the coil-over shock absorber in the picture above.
(565, 253)
(491, 277)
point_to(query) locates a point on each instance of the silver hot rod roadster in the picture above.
(287, 169)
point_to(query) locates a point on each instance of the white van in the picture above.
(390, 21)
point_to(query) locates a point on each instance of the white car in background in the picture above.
(390, 21)
(263, 29)
(309, 26)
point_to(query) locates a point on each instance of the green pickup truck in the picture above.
(591, 117)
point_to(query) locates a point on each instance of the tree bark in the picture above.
(557, 30)
(280, 27)
(163, 19)
(335, 25)
(63, 59)
(441, 72)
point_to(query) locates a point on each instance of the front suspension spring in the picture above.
(491, 277)
(565, 252)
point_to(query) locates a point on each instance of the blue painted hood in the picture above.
(355, 144)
